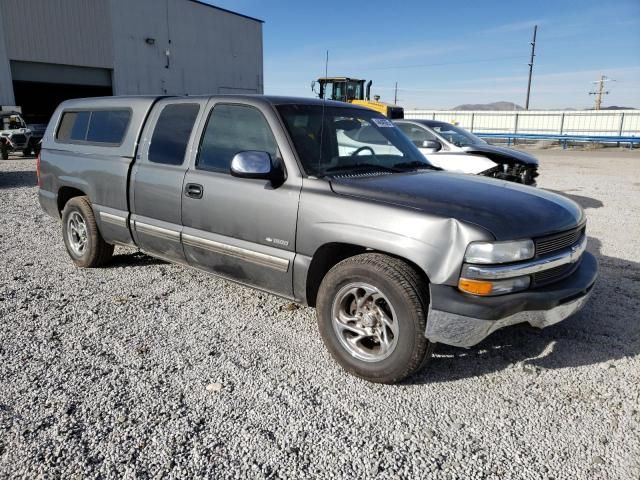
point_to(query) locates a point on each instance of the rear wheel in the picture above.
(82, 238)
(372, 312)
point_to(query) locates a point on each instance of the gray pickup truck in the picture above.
(327, 204)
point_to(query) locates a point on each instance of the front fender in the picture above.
(435, 244)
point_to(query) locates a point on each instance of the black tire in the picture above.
(5, 154)
(96, 252)
(26, 152)
(405, 289)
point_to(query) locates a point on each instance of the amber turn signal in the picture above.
(476, 287)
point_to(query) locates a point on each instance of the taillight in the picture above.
(38, 169)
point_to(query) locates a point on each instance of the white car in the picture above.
(457, 150)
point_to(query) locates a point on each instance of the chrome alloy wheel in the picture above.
(77, 233)
(365, 322)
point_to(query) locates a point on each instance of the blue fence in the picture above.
(563, 139)
(565, 126)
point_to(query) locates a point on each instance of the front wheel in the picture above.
(82, 238)
(372, 312)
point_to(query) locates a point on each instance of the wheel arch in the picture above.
(65, 194)
(330, 254)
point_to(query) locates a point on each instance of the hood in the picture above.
(501, 154)
(508, 210)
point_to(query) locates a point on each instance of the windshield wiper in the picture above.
(372, 166)
(415, 164)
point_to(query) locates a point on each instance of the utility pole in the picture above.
(600, 92)
(533, 54)
(395, 95)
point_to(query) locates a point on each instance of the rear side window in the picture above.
(80, 125)
(73, 126)
(94, 127)
(232, 129)
(171, 133)
(107, 126)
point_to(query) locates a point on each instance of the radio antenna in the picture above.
(326, 65)
(324, 101)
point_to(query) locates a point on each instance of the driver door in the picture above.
(239, 228)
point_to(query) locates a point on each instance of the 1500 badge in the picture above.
(277, 241)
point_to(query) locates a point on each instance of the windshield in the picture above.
(456, 135)
(348, 139)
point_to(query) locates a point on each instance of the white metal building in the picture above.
(52, 50)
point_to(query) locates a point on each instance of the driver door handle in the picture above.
(193, 190)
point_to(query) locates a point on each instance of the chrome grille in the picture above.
(553, 274)
(553, 243)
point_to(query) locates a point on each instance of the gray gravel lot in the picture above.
(147, 369)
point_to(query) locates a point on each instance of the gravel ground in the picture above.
(147, 369)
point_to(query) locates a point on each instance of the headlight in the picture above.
(499, 252)
(485, 288)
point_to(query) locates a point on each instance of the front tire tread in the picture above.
(413, 286)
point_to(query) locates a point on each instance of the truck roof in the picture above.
(340, 79)
(140, 100)
(141, 105)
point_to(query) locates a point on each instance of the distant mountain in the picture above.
(614, 107)
(510, 106)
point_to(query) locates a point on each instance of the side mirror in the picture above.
(428, 144)
(255, 164)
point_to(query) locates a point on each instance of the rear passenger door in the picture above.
(240, 228)
(158, 174)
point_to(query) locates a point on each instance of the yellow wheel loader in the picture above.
(353, 90)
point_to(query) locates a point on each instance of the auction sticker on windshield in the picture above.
(382, 122)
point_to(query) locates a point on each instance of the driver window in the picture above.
(232, 129)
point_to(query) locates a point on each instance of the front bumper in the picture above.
(463, 320)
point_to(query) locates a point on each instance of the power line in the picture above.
(464, 62)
